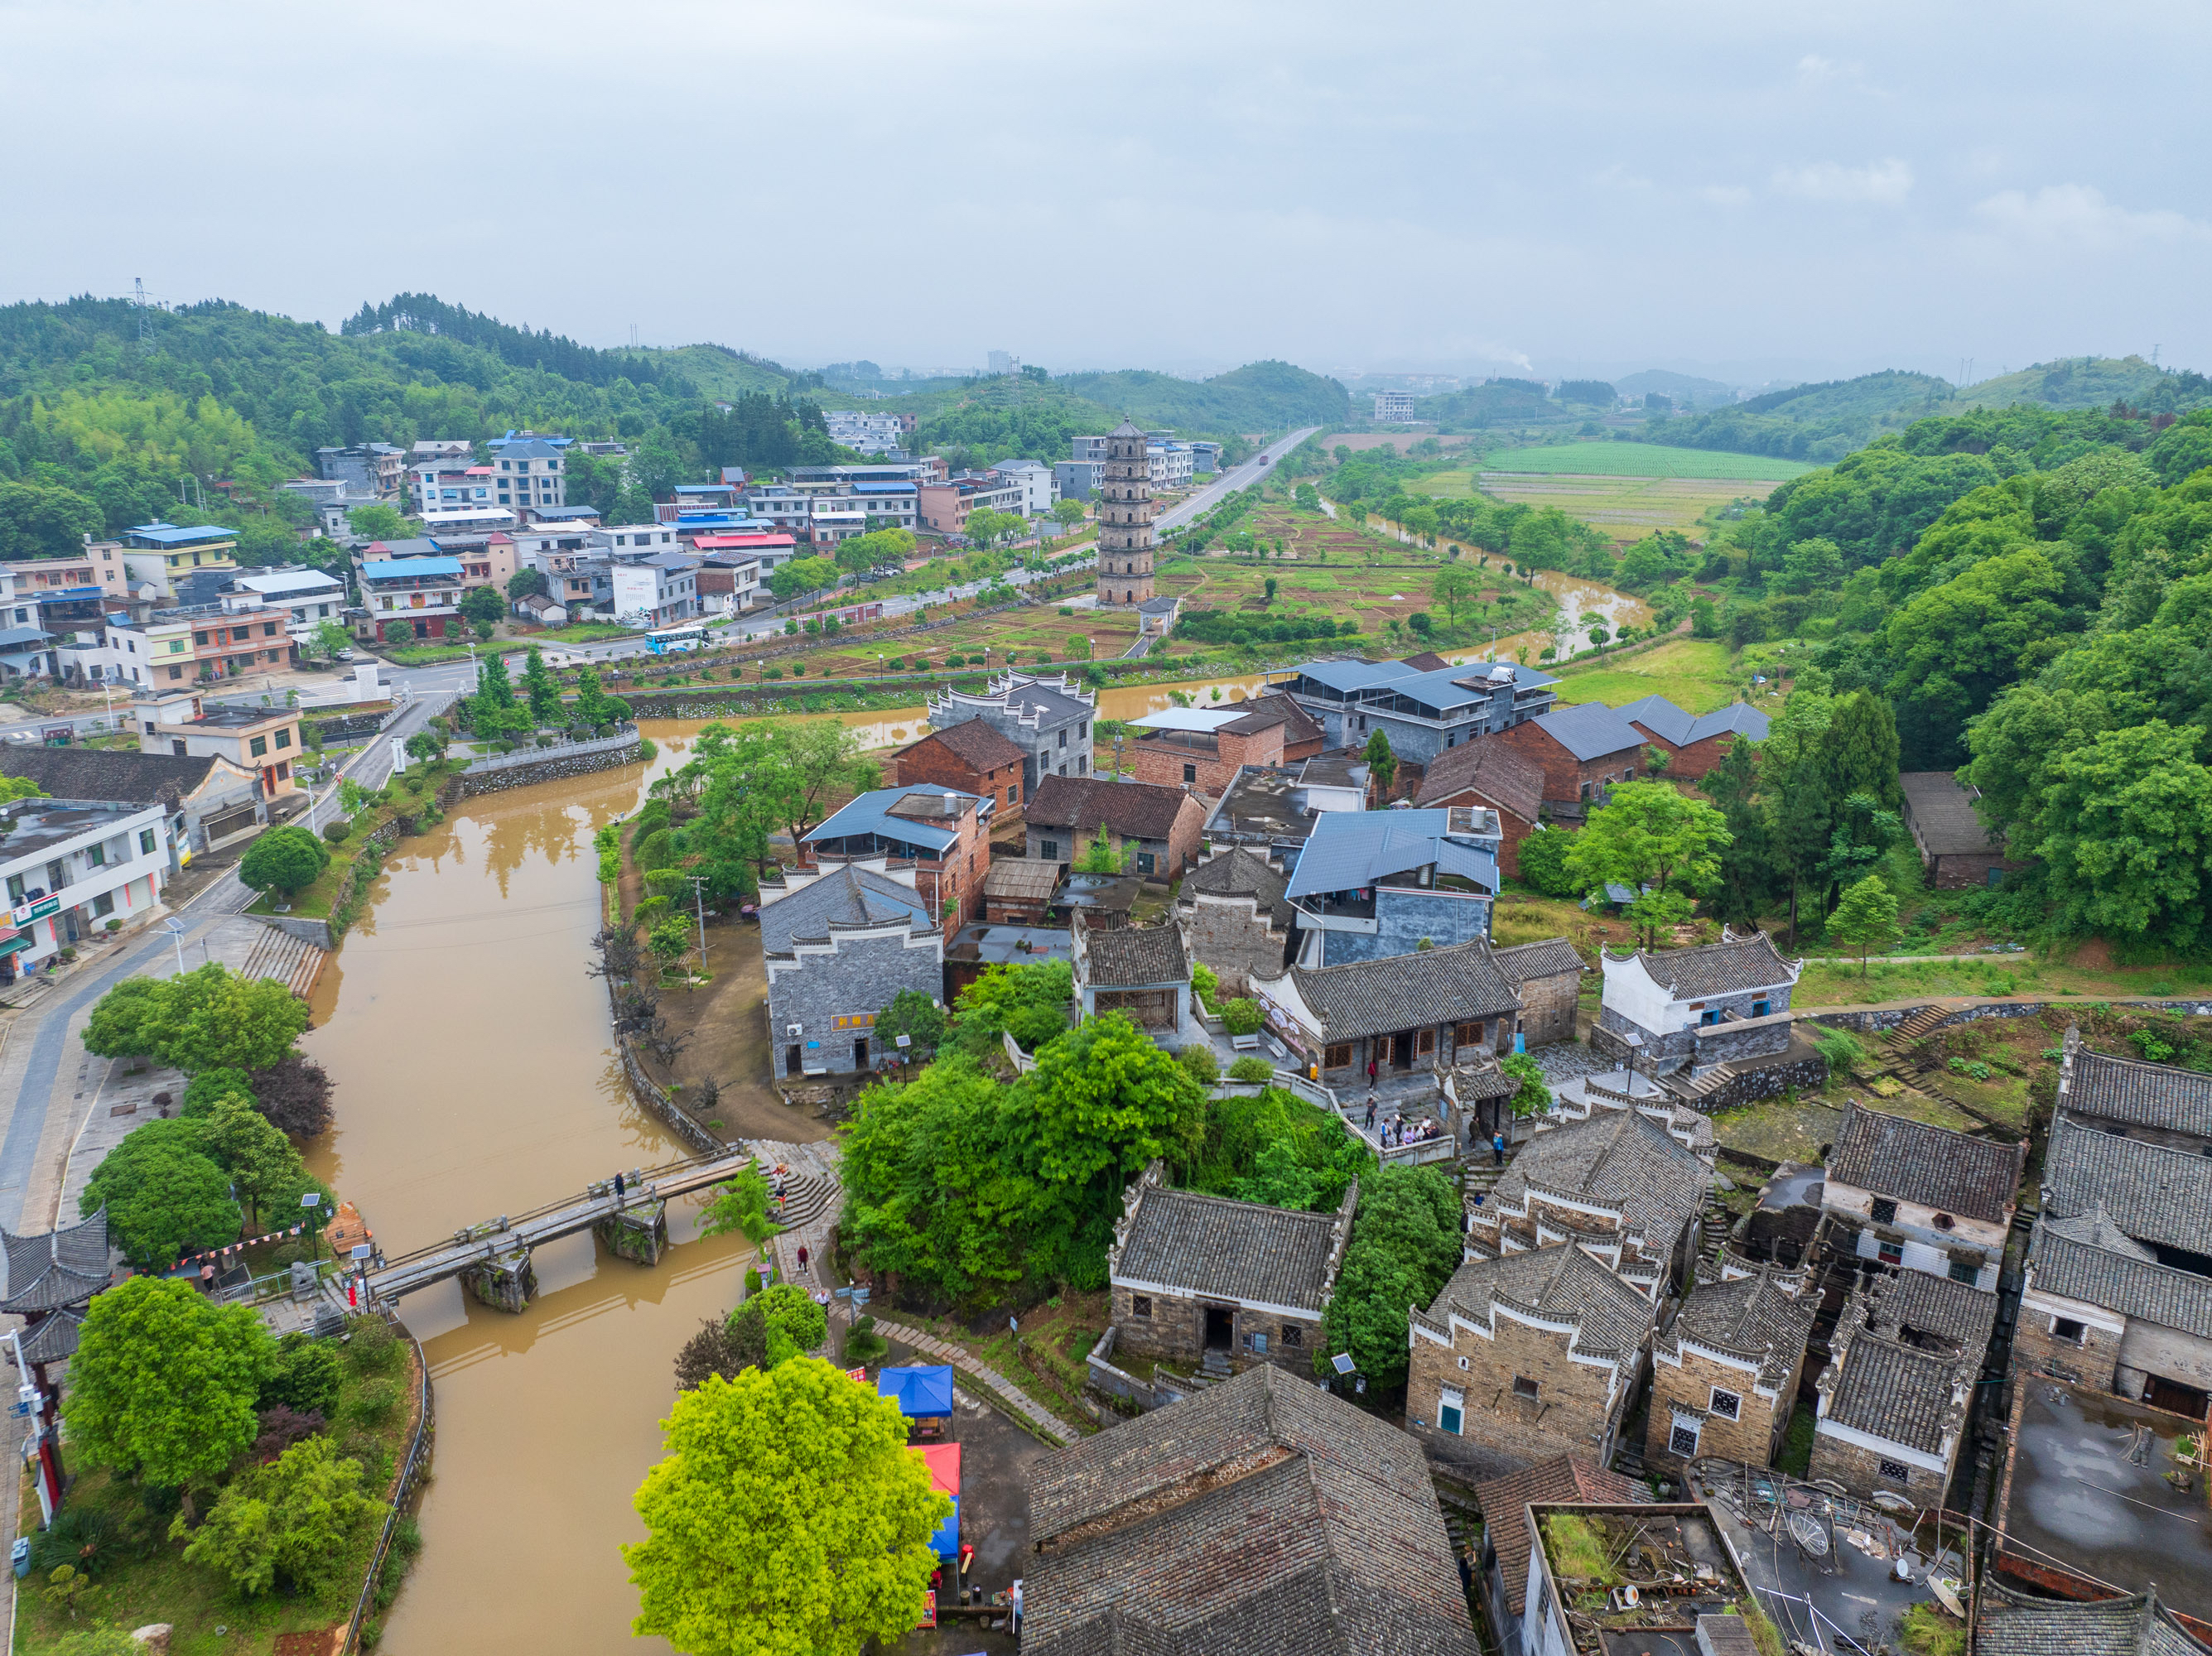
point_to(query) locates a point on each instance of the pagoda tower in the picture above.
(1125, 520)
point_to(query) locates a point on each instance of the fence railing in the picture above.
(410, 1474)
(560, 748)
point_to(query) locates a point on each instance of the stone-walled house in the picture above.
(2130, 1099)
(1618, 1185)
(1407, 1011)
(1194, 1275)
(1142, 972)
(1724, 1374)
(1905, 1358)
(1549, 975)
(1693, 743)
(839, 945)
(1506, 1543)
(1236, 917)
(1263, 1516)
(1156, 827)
(1526, 1357)
(1047, 719)
(1714, 1004)
(1902, 1192)
(1489, 776)
(1581, 1097)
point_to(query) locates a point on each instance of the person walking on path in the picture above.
(1371, 1109)
(802, 1257)
(1015, 1621)
(1497, 1146)
(618, 1189)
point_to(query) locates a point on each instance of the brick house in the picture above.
(1959, 852)
(939, 832)
(1192, 1276)
(1893, 1399)
(2116, 1290)
(1407, 1010)
(1160, 825)
(971, 758)
(1902, 1192)
(1490, 775)
(1506, 1540)
(1548, 974)
(1709, 1005)
(1693, 743)
(1618, 1185)
(1581, 750)
(1524, 1357)
(1263, 1515)
(1047, 719)
(1724, 1374)
(839, 944)
(1204, 748)
(1236, 917)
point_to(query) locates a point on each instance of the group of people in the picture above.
(1396, 1131)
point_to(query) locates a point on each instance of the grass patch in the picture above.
(428, 655)
(581, 631)
(1796, 1456)
(1928, 1630)
(1578, 1551)
(1831, 983)
(1606, 459)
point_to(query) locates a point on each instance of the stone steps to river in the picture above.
(293, 962)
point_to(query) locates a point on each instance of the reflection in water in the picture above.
(475, 1076)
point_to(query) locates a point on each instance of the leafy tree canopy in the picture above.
(164, 1381)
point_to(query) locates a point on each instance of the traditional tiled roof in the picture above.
(1893, 1388)
(2124, 1089)
(1909, 1160)
(52, 1337)
(1943, 813)
(1133, 957)
(1454, 984)
(128, 779)
(1934, 1307)
(2152, 1193)
(1588, 730)
(1751, 1317)
(1505, 1501)
(1263, 1517)
(1141, 810)
(2009, 1623)
(1489, 767)
(843, 897)
(2090, 1259)
(63, 1267)
(977, 741)
(1211, 1245)
(1617, 1159)
(1548, 958)
(1030, 879)
(1731, 967)
(1560, 1283)
(1237, 872)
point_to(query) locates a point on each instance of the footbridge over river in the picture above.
(493, 1259)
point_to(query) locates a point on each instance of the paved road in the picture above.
(1243, 477)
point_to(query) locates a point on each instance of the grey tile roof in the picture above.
(1588, 730)
(2138, 1093)
(2126, 1278)
(1898, 1390)
(1910, 1161)
(1731, 967)
(1490, 767)
(1548, 958)
(1935, 1305)
(1455, 985)
(1504, 1502)
(1740, 717)
(1134, 957)
(1941, 812)
(54, 1337)
(2152, 1193)
(1560, 1283)
(1029, 879)
(1239, 873)
(63, 1267)
(1752, 1317)
(1617, 1159)
(977, 741)
(1261, 1518)
(138, 779)
(2009, 1623)
(1178, 1238)
(845, 896)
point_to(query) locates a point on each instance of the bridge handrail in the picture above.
(640, 1184)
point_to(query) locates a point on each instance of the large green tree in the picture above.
(1657, 842)
(286, 860)
(2126, 832)
(44, 520)
(1405, 1245)
(788, 1518)
(165, 1196)
(283, 1525)
(1956, 645)
(1110, 1100)
(164, 1381)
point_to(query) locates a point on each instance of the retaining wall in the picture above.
(316, 932)
(1876, 1020)
(526, 770)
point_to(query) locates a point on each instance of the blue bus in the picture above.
(675, 640)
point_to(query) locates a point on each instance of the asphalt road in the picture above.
(1243, 477)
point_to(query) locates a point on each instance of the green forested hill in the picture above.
(721, 373)
(1259, 397)
(2089, 382)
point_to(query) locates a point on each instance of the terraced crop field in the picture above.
(1627, 508)
(1603, 459)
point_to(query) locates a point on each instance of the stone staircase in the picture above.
(1715, 1222)
(293, 962)
(1899, 1041)
(1695, 1092)
(805, 1199)
(1215, 1369)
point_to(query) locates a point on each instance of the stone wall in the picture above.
(1741, 1042)
(556, 766)
(1237, 938)
(1548, 1007)
(1571, 1413)
(863, 974)
(1749, 1439)
(2092, 1360)
(1175, 1330)
(1859, 1471)
(1767, 1081)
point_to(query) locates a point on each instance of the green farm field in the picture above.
(1692, 673)
(1627, 508)
(1604, 460)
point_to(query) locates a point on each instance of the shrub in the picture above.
(202, 1091)
(1201, 1063)
(281, 1426)
(373, 1348)
(752, 1282)
(80, 1537)
(1202, 979)
(862, 1344)
(308, 1374)
(1544, 863)
(1251, 1069)
(956, 661)
(1838, 1049)
(376, 1402)
(1241, 1017)
(294, 1094)
(115, 925)
(337, 833)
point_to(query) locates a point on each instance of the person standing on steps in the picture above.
(1497, 1146)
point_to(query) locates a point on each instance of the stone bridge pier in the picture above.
(506, 1280)
(639, 1233)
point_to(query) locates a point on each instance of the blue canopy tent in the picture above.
(924, 1395)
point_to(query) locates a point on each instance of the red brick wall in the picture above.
(929, 761)
(1511, 827)
(1692, 761)
(1563, 775)
(1164, 763)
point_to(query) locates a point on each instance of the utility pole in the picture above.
(145, 322)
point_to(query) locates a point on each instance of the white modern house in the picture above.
(308, 597)
(657, 591)
(69, 867)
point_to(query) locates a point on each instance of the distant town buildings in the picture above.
(1393, 407)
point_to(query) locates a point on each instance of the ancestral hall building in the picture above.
(1125, 520)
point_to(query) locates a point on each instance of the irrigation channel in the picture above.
(476, 1076)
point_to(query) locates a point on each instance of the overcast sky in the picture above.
(1748, 190)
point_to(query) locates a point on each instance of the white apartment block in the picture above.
(871, 434)
(527, 476)
(1394, 406)
(451, 486)
(1040, 488)
(71, 867)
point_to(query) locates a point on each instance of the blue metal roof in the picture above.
(883, 488)
(1660, 717)
(22, 638)
(704, 488)
(170, 535)
(870, 812)
(395, 568)
(1351, 848)
(1589, 729)
(1354, 675)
